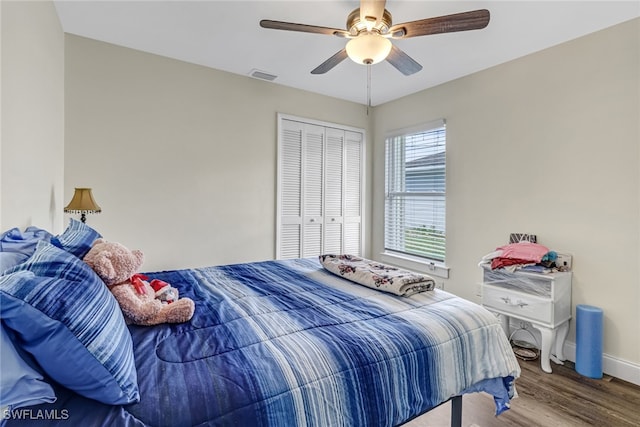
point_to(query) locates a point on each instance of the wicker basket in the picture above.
(522, 349)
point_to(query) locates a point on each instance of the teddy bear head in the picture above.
(113, 262)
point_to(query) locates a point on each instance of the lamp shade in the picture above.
(368, 48)
(82, 202)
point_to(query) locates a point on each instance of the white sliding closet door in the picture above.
(353, 164)
(334, 198)
(312, 189)
(319, 189)
(289, 227)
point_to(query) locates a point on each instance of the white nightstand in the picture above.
(544, 300)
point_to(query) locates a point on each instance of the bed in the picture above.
(271, 343)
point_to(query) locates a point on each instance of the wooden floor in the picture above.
(562, 399)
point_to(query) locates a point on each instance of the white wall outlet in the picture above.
(440, 284)
(564, 261)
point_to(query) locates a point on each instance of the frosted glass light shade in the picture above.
(369, 48)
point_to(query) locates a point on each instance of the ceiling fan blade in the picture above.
(304, 28)
(371, 9)
(403, 62)
(473, 20)
(331, 62)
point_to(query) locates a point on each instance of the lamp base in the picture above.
(83, 218)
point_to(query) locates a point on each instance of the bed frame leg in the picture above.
(456, 411)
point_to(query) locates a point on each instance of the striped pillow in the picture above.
(76, 239)
(49, 261)
(64, 315)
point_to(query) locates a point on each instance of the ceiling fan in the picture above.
(369, 30)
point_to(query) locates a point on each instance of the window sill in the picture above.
(416, 264)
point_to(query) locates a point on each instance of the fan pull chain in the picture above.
(368, 88)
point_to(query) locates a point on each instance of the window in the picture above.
(415, 194)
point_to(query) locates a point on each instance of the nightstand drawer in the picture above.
(535, 284)
(518, 304)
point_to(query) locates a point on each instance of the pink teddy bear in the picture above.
(141, 302)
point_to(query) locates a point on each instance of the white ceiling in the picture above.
(225, 35)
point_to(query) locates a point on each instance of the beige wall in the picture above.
(32, 116)
(181, 158)
(546, 144)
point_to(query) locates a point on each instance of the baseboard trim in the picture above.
(618, 368)
(613, 366)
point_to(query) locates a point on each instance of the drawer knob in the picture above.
(506, 300)
(522, 304)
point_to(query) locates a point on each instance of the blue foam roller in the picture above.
(589, 341)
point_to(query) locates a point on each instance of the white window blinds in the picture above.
(415, 192)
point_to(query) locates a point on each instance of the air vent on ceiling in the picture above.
(262, 75)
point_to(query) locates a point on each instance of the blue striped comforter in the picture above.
(286, 343)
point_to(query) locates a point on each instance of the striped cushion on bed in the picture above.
(77, 238)
(64, 315)
(50, 261)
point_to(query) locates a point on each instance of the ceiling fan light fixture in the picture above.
(368, 48)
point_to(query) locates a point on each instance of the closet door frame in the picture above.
(279, 184)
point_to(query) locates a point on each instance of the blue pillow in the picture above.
(49, 261)
(10, 259)
(22, 242)
(67, 319)
(77, 238)
(20, 384)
